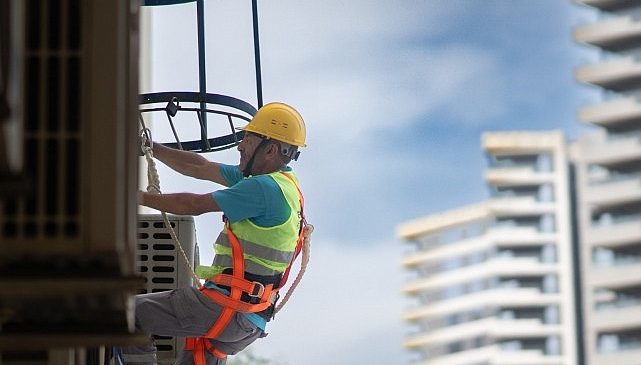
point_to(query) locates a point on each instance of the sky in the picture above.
(395, 96)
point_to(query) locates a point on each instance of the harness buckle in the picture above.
(258, 290)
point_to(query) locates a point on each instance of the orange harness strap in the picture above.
(238, 284)
(301, 238)
(237, 306)
(238, 265)
(199, 344)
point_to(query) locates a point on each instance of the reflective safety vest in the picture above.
(247, 248)
(268, 251)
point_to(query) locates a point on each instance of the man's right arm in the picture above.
(189, 163)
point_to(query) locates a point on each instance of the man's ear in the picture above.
(273, 150)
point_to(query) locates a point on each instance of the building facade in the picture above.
(500, 282)
(494, 281)
(608, 165)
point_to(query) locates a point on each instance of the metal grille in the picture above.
(52, 125)
(161, 264)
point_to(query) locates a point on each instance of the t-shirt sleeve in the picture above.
(230, 173)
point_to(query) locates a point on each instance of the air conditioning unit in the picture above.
(160, 261)
(68, 235)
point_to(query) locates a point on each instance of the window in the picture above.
(551, 315)
(608, 343)
(550, 284)
(547, 223)
(602, 256)
(544, 163)
(546, 193)
(511, 345)
(553, 346)
(548, 253)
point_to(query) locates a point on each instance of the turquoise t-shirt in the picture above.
(257, 198)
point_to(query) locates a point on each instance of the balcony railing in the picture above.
(611, 34)
(615, 190)
(609, 5)
(513, 205)
(611, 113)
(492, 297)
(619, 232)
(617, 74)
(611, 149)
(517, 176)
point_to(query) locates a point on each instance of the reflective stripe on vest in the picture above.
(267, 250)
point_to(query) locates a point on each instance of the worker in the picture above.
(262, 207)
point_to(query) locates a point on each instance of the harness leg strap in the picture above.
(198, 345)
(201, 344)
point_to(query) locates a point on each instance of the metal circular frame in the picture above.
(170, 105)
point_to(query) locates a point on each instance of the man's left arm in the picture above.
(179, 203)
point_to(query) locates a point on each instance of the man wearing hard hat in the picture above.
(263, 213)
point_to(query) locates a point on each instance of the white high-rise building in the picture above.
(609, 185)
(494, 281)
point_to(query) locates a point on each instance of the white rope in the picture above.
(153, 186)
(307, 236)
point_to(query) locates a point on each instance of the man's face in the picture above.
(247, 147)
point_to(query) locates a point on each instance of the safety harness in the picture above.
(264, 296)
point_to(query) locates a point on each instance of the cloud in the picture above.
(386, 85)
(355, 291)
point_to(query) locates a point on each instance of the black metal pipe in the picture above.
(259, 82)
(202, 77)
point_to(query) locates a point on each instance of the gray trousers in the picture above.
(185, 312)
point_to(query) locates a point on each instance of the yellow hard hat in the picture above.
(280, 122)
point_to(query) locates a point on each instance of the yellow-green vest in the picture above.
(267, 250)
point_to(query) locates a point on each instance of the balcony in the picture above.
(617, 319)
(461, 248)
(527, 357)
(623, 357)
(495, 267)
(508, 266)
(615, 234)
(493, 297)
(519, 235)
(522, 328)
(613, 192)
(616, 276)
(511, 234)
(617, 74)
(611, 113)
(515, 206)
(609, 5)
(506, 176)
(478, 355)
(495, 356)
(452, 333)
(607, 151)
(611, 34)
(494, 327)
